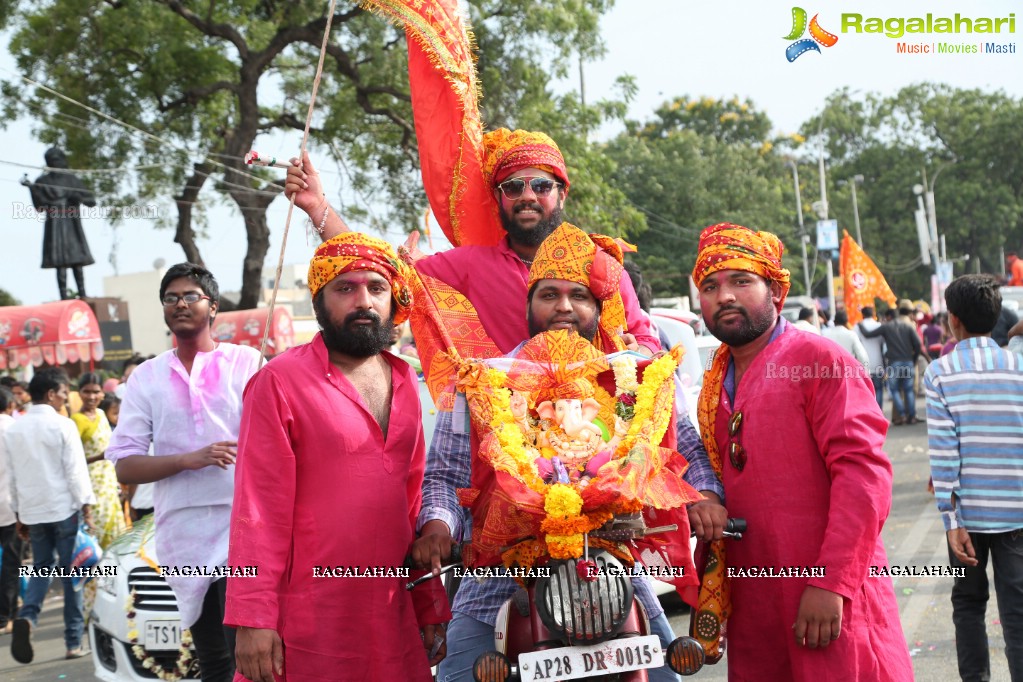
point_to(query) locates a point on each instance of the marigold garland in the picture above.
(649, 404)
(649, 417)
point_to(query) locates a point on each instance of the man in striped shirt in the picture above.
(975, 436)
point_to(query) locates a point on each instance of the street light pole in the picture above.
(802, 230)
(857, 179)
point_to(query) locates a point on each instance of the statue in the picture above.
(59, 194)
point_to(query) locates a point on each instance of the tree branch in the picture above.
(207, 27)
(192, 96)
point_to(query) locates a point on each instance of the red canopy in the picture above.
(245, 327)
(52, 333)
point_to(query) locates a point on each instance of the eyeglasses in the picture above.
(736, 453)
(513, 189)
(191, 298)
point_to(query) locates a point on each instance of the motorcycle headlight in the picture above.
(585, 611)
(106, 581)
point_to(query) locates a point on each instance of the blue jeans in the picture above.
(969, 604)
(467, 638)
(53, 544)
(900, 379)
(878, 380)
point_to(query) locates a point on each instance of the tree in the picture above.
(211, 78)
(7, 299)
(696, 163)
(963, 143)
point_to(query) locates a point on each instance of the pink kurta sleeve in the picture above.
(429, 599)
(262, 515)
(849, 430)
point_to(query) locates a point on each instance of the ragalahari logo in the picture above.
(817, 35)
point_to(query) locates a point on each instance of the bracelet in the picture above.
(323, 221)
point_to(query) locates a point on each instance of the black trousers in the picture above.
(214, 642)
(969, 604)
(10, 583)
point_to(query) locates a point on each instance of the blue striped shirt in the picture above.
(975, 436)
(448, 467)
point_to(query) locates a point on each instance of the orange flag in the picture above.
(863, 281)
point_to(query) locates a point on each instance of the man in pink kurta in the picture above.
(797, 440)
(529, 180)
(329, 475)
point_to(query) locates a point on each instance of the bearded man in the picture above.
(330, 467)
(791, 426)
(529, 182)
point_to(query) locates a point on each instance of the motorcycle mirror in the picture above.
(686, 656)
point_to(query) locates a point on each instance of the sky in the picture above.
(671, 47)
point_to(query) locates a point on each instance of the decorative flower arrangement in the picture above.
(559, 511)
(148, 662)
(625, 387)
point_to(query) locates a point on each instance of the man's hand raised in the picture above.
(304, 182)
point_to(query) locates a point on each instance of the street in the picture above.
(913, 535)
(48, 639)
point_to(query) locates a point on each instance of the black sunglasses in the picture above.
(513, 189)
(736, 453)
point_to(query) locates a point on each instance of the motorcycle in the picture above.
(581, 620)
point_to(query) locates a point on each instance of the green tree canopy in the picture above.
(698, 162)
(209, 80)
(962, 144)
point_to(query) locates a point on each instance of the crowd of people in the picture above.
(318, 458)
(53, 429)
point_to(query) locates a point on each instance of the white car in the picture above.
(157, 623)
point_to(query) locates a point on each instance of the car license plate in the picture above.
(573, 662)
(162, 635)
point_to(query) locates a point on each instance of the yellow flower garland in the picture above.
(648, 418)
(565, 523)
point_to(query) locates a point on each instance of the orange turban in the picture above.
(593, 260)
(506, 151)
(350, 251)
(733, 247)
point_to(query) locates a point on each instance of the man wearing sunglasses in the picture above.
(187, 402)
(792, 428)
(529, 183)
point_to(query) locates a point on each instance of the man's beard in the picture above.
(535, 235)
(588, 332)
(354, 340)
(754, 323)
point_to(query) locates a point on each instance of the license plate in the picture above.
(573, 662)
(162, 635)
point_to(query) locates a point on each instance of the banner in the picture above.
(862, 281)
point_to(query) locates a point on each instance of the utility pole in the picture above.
(803, 237)
(822, 213)
(857, 179)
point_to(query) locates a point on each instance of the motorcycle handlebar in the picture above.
(735, 525)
